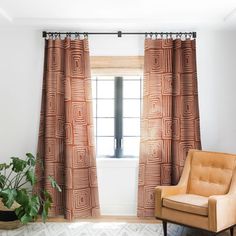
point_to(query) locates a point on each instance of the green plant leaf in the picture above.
(29, 208)
(2, 181)
(46, 206)
(19, 212)
(8, 197)
(34, 206)
(18, 164)
(31, 162)
(22, 197)
(47, 195)
(4, 166)
(30, 176)
(25, 218)
(44, 215)
(31, 159)
(30, 155)
(54, 183)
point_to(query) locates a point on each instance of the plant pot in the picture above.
(8, 218)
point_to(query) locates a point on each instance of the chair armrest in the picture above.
(165, 191)
(221, 211)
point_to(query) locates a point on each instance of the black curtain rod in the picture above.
(120, 33)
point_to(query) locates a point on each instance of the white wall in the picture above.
(130, 45)
(217, 83)
(117, 182)
(21, 64)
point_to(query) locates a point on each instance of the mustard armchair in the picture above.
(205, 196)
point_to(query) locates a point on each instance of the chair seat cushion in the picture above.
(190, 203)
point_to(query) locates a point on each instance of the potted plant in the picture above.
(18, 205)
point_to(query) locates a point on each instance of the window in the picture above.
(117, 110)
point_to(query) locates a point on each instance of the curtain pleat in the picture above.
(170, 117)
(66, 142)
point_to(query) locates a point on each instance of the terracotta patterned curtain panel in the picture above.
(66, 129)
(170, 119)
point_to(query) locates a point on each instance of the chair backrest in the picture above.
(210, 173)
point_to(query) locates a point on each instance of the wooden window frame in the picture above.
(117, 65)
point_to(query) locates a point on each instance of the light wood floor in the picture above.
(128, 219)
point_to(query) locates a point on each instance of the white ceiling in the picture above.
(142, 15)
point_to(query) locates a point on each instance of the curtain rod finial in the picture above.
(119, 34)
(44, 34)
(194, 35)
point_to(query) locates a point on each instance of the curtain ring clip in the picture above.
(77, 36)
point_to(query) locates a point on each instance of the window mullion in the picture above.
(118, 116)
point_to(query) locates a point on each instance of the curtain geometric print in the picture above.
(170, 119)
(66, 143)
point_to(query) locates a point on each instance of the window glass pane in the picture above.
(131, 146)
(105, 89)
(94, 88)
(131, 89)
(95, 126)
(105, 108)
(105, 126)
(105, 146)
(141, 95)
(131, 127)
(131, 108)
(94, 107)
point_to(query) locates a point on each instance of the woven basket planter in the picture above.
(8, 218)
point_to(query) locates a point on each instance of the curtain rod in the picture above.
(119, 33)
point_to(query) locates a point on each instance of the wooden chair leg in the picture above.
(232, 231)
(164, 224)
